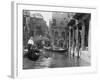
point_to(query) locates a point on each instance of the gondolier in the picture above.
(30, 43)
(33, 52)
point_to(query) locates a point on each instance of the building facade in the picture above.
(26, 23)
(79, 33)
(58, 28)
(33, 25)
(38, 25)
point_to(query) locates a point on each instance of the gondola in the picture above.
(59, 50)
(33, 54)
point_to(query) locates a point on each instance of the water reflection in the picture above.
(54, 60)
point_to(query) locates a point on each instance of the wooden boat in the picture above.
(33, 54)
(60, 50)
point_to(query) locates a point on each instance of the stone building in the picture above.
(58, 28)
(33, 25)
(79, 33)
(26, 22)
(38, 25)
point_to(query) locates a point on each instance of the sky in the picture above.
(47, 16)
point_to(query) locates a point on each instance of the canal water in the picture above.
(54, 60)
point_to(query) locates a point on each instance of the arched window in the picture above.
(54, 22)
(52, 32)
(63, 35)
(61, 43)
(39, 30)
(55, 42)
(56, 34)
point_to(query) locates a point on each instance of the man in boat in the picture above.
(30, 43)
(33, 51)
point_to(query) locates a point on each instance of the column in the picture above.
(67, 39)
(73, 41)
(83, 36)
(77, 41)
(70, 40)
(89, 35)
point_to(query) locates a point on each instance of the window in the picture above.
(61, 43)
(52, 32)
(56, 34)
(54, 22)
(55, 42)
(62, 23)
(63, 35)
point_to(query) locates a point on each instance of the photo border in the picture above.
(18, 72)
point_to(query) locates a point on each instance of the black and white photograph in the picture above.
(55, 39)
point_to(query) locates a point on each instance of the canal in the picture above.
(54, 60)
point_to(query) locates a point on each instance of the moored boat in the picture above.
(60, 50)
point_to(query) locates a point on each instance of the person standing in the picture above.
(30, 43)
